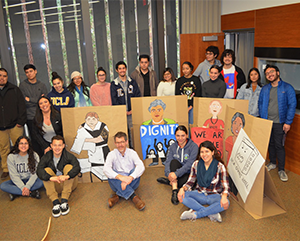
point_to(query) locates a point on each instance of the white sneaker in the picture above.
(188, 215)
(215, 217)
(56, 212)
(271, 166)
(283, 176)
(64, 207)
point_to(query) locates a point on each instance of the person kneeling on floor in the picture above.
(59, 169)
(124, 168)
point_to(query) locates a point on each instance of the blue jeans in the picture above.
(191, 116)
(11, 188)
(115, 185)
(195, 200)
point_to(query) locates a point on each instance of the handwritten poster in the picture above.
(200, 134)
(244, 164)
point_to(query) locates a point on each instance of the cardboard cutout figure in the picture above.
(215, 108)
(92, 136)
(156, 109)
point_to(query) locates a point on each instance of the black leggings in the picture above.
(174, 165)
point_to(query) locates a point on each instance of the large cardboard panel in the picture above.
(72, 118)
(203, 106)
(176, 109)
(263, 199)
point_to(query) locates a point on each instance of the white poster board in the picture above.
(244, 164)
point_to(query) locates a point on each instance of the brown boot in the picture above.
(113, 200)
(139, 204)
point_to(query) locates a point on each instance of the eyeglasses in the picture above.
(120, 142)
(101, 75)
(23, 143)
(270, 72)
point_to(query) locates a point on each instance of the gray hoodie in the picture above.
(203, 70)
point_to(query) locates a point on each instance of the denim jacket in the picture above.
(248, 94)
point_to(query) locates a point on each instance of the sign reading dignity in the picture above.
(156, 139)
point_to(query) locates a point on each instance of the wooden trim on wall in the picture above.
(192, 48)
(278, 27)
(236, 21)
(292, 143)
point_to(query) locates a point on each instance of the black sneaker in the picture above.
(163, 180)
(64, 207)
(35, 194)
(12, 196)
(174, 198)
(56, 212)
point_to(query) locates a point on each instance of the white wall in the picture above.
(235, 6)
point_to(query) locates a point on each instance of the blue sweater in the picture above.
(61, 100)
(286, 102)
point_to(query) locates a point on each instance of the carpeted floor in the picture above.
(91, 219)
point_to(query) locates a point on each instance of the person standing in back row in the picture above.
(233, 76)
(122, 89)
(12, 117)
(277, 102)
(32, 90)
(145, 76)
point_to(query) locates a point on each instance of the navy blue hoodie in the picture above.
(61, 100)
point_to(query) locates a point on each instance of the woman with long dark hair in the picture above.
(79, 90)
(22, 163)
(60, 96)
(210, 176)
(166, 86)
(251, 90)
(47, 123)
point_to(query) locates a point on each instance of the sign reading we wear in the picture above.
(156, 139)
(200, 134)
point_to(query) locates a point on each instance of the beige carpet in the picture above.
(91, 219)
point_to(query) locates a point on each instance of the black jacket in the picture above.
(65, 158)
(13, 108)
(57, 126)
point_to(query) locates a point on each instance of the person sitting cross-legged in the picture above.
(59, 169)
(124, 168)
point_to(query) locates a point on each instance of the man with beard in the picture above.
(277, 102)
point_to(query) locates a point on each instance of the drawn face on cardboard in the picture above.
(157, 113)
(159, 146)
(215, 108)
(91, 121)
(171, 142)
(237, 125)
(206, 155)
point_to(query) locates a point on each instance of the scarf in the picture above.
(81, 96)
(204, 177)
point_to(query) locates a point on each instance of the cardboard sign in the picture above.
(156, 139)
(200, 134)
(150, 110)
(244, 164)
(88, 132)
(263, 199)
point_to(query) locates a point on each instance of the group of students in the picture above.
(186, 166)
(181, 169)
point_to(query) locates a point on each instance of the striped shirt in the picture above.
(219, 183)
